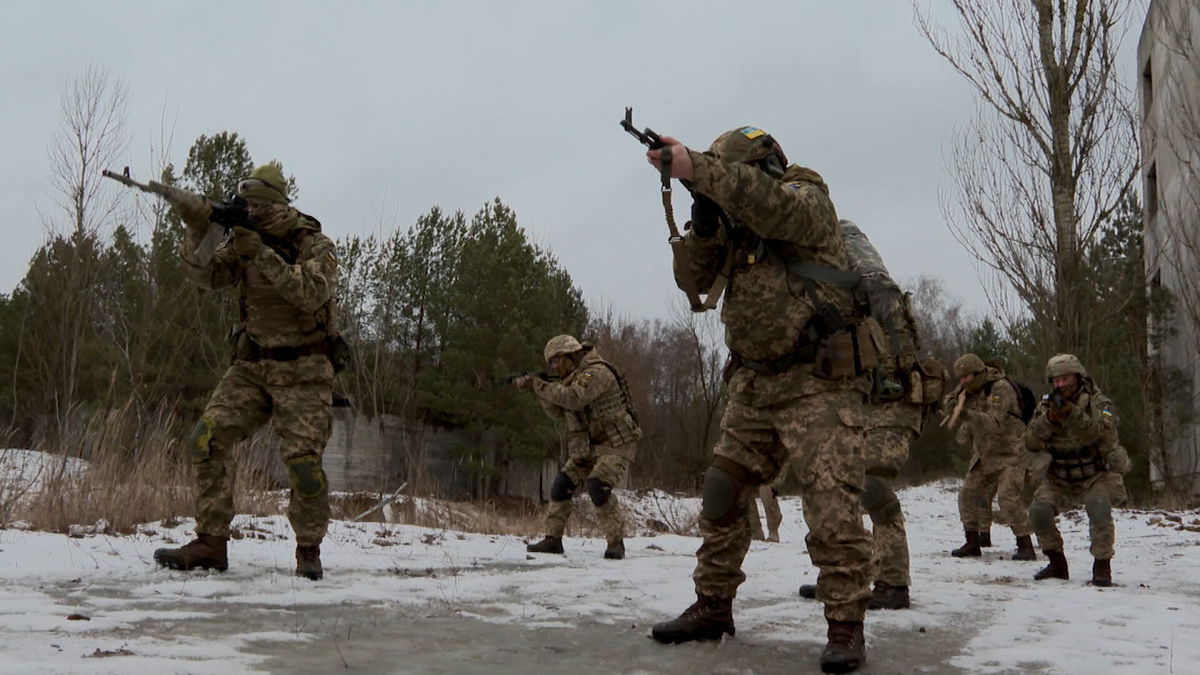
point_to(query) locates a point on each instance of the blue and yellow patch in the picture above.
(1107, 413)
(752, 132)
(794, 185)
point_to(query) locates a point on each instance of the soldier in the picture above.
(1077, 426)
(891, 429)
(285, 272)
(987, 410)
(593, 404)
(795, 387)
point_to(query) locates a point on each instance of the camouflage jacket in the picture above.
(1082, 445)
(766, 310)
(285, 295)
(991, 423)
(594, 406)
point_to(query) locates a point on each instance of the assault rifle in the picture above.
(1057, 399)
(647, 137)
(228, 214)
(498, 381)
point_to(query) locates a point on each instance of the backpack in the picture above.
(1025, 397)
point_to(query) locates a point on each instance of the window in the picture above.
(1151, 190)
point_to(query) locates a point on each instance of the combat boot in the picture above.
(615, 550)
(308, 562)
(550, 544)
(206, 552)
(1057, 569)
(985, 538)
(887, 596)
(707, 619)
(808, 591)
(845, 651)
(1101, 572)
(1025, 549)
(969, 549)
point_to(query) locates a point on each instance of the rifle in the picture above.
(228, 214)
(498, 381)
(647, 137)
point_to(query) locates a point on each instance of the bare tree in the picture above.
(1051, 152)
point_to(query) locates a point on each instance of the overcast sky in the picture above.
(383, 110)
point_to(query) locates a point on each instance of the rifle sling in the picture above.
(679, 252)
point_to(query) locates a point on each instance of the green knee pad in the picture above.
(721, 492)
(879, 501)
(1098, 508)
(199, 441)
(308, 479)
(1041, 516)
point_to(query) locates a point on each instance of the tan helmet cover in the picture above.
(968, 364)
(561, 344)
(1064, 364)
(746, 145)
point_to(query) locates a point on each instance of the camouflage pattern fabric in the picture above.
(771, 418)
(286, 297)
(991, 424)
(887, 447)
(608, 468)
(1088, 435)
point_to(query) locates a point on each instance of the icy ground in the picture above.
(401, 599)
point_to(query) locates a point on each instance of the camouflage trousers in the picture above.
(823, 436)
(608, 468)
(1098, 494)
(296, 397)
(887, 448)
(1033, 478)
(774, 516)
(1005, 484)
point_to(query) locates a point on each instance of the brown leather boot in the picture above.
(707, 619)
(1101, 572)
(1057, 569)
(846, 650)
(887, 596)
(1025, 550)
(205, 552)
(969, 549)
(985, 538)
(550, 544)
(308, 562)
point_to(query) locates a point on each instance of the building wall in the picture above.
(1169, 94)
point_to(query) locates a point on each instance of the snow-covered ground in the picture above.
(416, 600)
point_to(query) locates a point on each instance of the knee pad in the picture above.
(879, 501)
(1099, 509)
(599, 491)
(722, 495)
(199, 441)
(1041, 516)
(307, 476)
(563, 488)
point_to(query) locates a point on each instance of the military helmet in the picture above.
(1064, 364)
(748, 145)
(561, 344)
(968, 364)
(264, 182)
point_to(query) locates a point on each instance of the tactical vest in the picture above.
(611, 419)
(1075, 464)
(273, 321)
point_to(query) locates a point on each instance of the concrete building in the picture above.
(1169, 65)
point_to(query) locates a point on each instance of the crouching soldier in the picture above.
(593, 404)
(1077, 426)
(285, 273)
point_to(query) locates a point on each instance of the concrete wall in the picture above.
(1169, 89)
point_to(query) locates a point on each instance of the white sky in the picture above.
(383, 110)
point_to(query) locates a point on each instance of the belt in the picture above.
(805, 353)
(289, 353)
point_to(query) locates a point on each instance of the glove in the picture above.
(707, 216)
(247, 243)
(194, 210)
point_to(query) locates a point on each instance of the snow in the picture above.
(409, 599)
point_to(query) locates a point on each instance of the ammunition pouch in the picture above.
(341, 355)
(1076, 465)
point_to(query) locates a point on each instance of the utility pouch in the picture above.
(245, 348)
(835, 356)
(865, 347)
(931, 377)
(340, 353)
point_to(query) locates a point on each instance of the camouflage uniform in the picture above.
(280, 371)
(593, 406)
(992, 425)
(1086, 464)
(782, 405)
(891, 429)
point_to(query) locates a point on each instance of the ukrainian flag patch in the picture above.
(752, 132)
(1106, 412)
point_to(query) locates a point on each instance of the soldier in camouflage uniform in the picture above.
(795, 388)
(987, 410)
(592, 403)
(285, 273)
(1076, 425)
